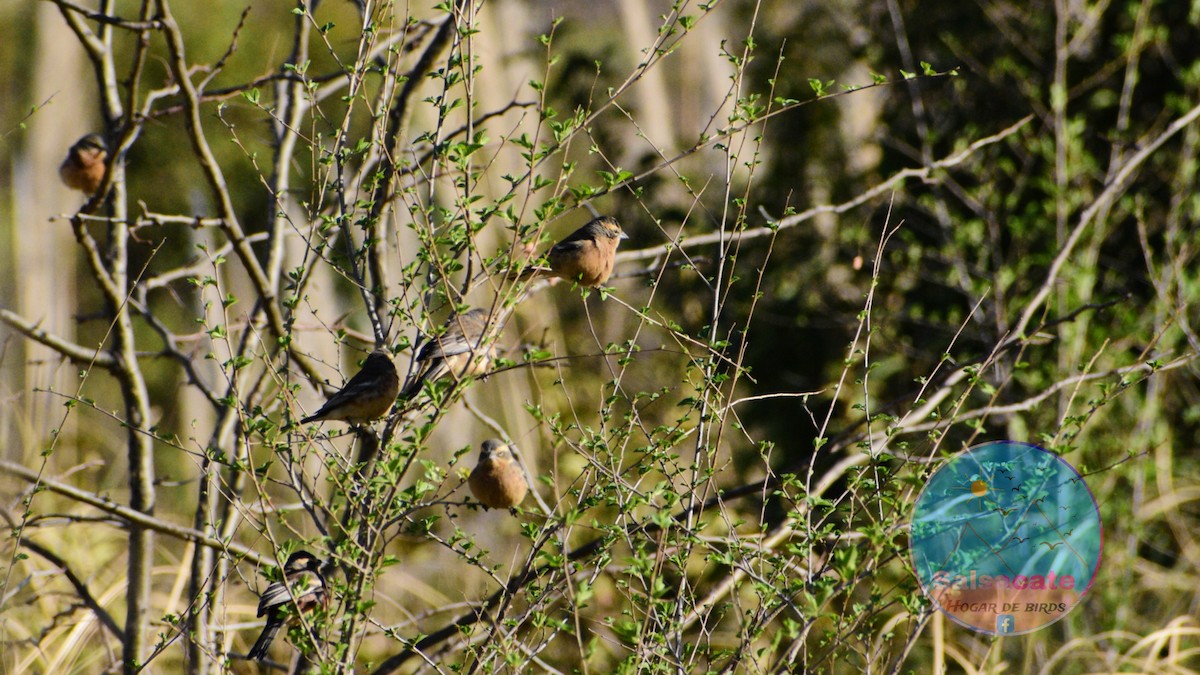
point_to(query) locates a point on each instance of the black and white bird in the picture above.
(302, 586)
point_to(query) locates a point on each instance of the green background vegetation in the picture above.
(864, 235)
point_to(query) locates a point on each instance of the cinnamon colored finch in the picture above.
(84, 167)
(586, 256)
(498, 481)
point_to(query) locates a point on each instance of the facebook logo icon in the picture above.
(1005, 623)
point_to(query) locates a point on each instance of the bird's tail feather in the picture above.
(533, 272)
(430, 374)
(259, 651)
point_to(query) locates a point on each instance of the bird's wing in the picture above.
(443, 344)
(569, 244)
(277, 594)
(458, 345)
(354, 389)
(454, 340)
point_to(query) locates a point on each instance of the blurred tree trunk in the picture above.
(43, 264)
(653, 97)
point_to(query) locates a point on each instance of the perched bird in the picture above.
(302, 585)
(498, 481)
(367, 396)
(586, 256)
(84, 167)
(455, 352)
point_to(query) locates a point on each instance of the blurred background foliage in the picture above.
(1103, 374)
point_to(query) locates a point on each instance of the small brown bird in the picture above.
(367, 396)
(456, 352)
(586, 256)
(498, 481)
(302, 585)
(84, 167)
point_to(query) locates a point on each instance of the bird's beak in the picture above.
(624, 235)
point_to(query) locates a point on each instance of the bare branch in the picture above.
(75, 352)
(81, 588)
(133, 516)
(889, 185)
